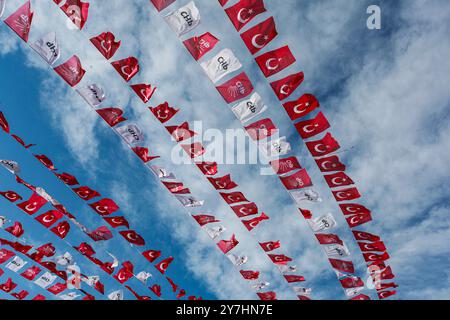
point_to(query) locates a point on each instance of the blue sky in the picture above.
(384, 92)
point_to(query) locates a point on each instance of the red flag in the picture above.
(270, 246)
(20, 21)
(8, 286)
(346, 194)
(181, 132)
(156, 290)
(20, 140)
(245, 210)
(142, 153)
(85, 249)
(275, 61)
(374, 246)
(68, 179)
(228, 245)
(384, 286)
(236, 89)
(338, 180)
(162, 4)
(17, 246)
(45, 161)
(39, 297)
(307, 214)
(112, 116)
(253, 223)
(293, 278)
(86, 193)
(11, 196)
(163, 265)
(127, 67)
(172, 284)
(203, 219)
(260, 35)
(353, 208)
(261, 129)
(62, 229)
(283, 88)
(123, 275)
(249, 275)
(16, 230)
(4, 123)
(223, 2)
(360, 297)
(47, 250)
(174, 187)
(323, 146)
(164, 112)
(365, 236)
(207, 168)
(302, 106)
(77, 11)
(104, 207)
(199, 46)
(298, 180)
(223, 183)
(343, 266)
(31, 273)
(194, 150)
(244, 11)
(57, 288)
(133, 237)
(312, 127)
(151, 255)
(280, 259)
(283, 166)
(358, 219)
(116, 222)
(267, 296)
(71, 71)
(386, 294)
(329, 239)
(101, 234)
(373, 257)
(351, 282)
(385, 274)
(32, 205)
(106, 43)
(233, 197)
(143, 91)
(330, 164)
(5, 255)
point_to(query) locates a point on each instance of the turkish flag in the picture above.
(8, 286)
(283, 166)
(68, 179)
(5, 255)
(342, 266)
(20, 140)
(233, 197)
(223, 2)
(245, 210)
(249, 275)
(203, 219)
(267, 296)
(261, 129)
(373, 257)
(4, 123)
(17, 246)
(353, 208)
(228, 245)
(112, 116)
(20, 295)
(151, 255)
(302, 106)
(365, 236)
(16, 230)
(223, 183)
(123, 275)
(32, 205)
(181, 132)
(86, 193)
(85, 249)
(26, 184)
(77, 11)
(199, 46)
(11, 196)
(163, 112)
(260, 35)
(312, 127)
(280, 259)
(384, 286)
(283, 88)
(71, 71)
(244, 11)
(133, 237)
(47, 250)
(386, 294)
(351, 282)
(127, 67)
(163, 265)
(338, 180)
(323, 146)
(172, 284)
(235, 89)
(62, 229)
(360, 297)
(346, 194)
(116, 222)
(101, 234)
(142, 153)
(374, 246)
(143, 91)
(298, 180)
(176, 187)
(270, 246)
(45, 161)
(385, 274)
(162, 4)
(294, 278)
(20, 21)
(106, 43)
(358, 219)
(275, 61)
(156, 290)
(253, 223)
(208, 168)
(330, 164)
(31, 273)
(194, 150)
(328, 239)
(104, 207)
(57, 288)
(39, 297)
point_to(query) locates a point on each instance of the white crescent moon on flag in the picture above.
(255, 44)
(31, 207)
(338, 181)
(102, 44)
(122, 69)
(341, 194)
(269, 65)
(239, 16)
(285, 89)
(307, 130)
(319, 148)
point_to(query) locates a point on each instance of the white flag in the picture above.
(69, 296)
(305, 195)
(131, 133)
(40, 191)
(287, 268)
(11, 166)
(237, 260)
(183, 20)
(16, 264)
(45, 280)
(336, 251)
(143, 276)
(275, 148)
(250, 108)
(91, 280)
(162, 173)
(351, 292)
(303, 291)
(93, 94)
(2, 221)
(190, 201)
(116, 295)
(115, 262)
(47, 47)
(322, 223)
(2, 7)
(260, 286)
(64, 260)
(215, 232)
(222, 64)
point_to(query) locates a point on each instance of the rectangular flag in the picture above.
(222, 64)
(244, 11)
(236, 89)
(249, 108)
(260, 35)
(184, 20)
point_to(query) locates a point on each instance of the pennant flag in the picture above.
(77, 11)
(330, 164)
(93, 94)
(322, 147)
(20, 21)
(276, 148)
(48, 48)
(71, 71)
(11, 166)
(310, 128)
(16, 230)
(116, 222)
(260, 35)
(86, 193)
(294, 279)
(164, 112)
(172, 284)
(20, 140)
(286, 165)
(45, 280)
(338, 180)
(342, 266)
(233, 197)
(26, 184)
(235, 89)
(5, 255)
(253, 223)
(11, 196)
(249, 275)
(275, 61)
(249, 108)
(62, 229)
(31, 273)
(194, 150)
(223, 2)
(131, 133)
(133, 237)
(328, 239)
(208, 168)
(142, 153)
(223, 183)
(244, 11)
(374, 246)
(298, 180)
(270, 246)
(365, 236)
(112, 116)
(101, 234)
(151, 255)
(4, 123)
(280, 259)
(32, 205)
(301, 107)
(104, 207)
(183, 20)
(261, 129)
(346, 194)
(106, 43)
(162, 4)
(285, 87)
(221, 65)
(127, 68)
(245, 210)
(143, 91)
(181, 132)
(163, 265)
(199, 46)
(228, 245)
